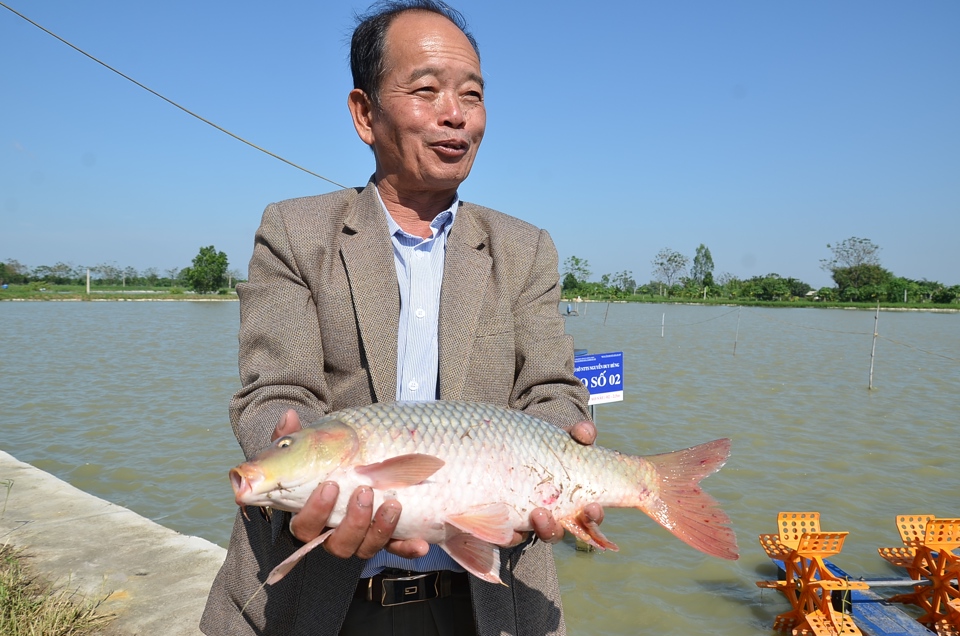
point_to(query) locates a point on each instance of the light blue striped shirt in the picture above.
(419, 263)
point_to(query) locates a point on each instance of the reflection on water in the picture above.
(128, 401)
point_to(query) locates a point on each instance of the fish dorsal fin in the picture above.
(490, 522)
(401, 471)
(478, 557)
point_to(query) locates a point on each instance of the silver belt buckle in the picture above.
(409, 589)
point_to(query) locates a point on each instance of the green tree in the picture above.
(862, 282)
(209, 271)
(624, 282)
(577, 267)
(668, 265)
(855, 262)
(702, 270)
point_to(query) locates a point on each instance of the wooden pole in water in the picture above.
(873, 351)
(737, 337)
(663, 321)
(606, 312)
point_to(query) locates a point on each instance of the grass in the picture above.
(746, 302)
(79, 292)
(30, 606)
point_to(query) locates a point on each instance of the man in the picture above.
(344, 307)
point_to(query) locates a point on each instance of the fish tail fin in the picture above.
(682, 506)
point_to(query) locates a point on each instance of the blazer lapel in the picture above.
(368, 258)
(466, 271)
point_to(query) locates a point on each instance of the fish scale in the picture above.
(468, 475)
(476, 440)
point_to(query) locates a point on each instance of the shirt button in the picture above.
(420, 313)
(413, 385)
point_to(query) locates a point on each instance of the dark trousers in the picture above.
(448, 616)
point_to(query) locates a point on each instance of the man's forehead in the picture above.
(429, 30)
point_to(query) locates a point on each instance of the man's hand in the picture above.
(544, 524)
(361, 533)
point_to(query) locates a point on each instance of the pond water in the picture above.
(128, 401)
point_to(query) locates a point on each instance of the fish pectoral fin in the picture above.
(476, 556)
(588, 532)
(490, 522)
(401, 471)
(281, 570)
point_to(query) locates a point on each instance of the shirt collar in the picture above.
(441, 224)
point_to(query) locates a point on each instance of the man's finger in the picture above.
(288, 424)
(583, 432)
(349, 535)
(546, 526)
(381, 529)
(307, 524)
(408, 548)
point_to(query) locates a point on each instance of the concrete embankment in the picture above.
(154, 579)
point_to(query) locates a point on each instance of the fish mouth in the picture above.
(244, 479)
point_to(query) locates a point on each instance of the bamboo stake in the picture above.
(663, 321)
(873, 351)
(736, 338)
(606, 312)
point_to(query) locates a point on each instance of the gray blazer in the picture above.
(318, 332)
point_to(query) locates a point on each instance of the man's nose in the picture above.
(450, 111)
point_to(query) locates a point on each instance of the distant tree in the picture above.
(702, 270)
(624, 282)
(852, 252)
(209, 271)
(668, 264)
(855, 264)
(862, 282)
(13, 272)
(769, 287)
(947, 295)
(234, 276)
(577, 267)
(106, 273)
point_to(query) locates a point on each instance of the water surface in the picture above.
(128, 401)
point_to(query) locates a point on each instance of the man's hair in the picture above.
(370, 35)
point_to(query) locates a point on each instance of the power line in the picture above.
(169, 101)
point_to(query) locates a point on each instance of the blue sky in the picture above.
(762, 129)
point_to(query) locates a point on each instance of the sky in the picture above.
(764, 130)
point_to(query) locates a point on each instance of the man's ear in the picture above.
(361, 110)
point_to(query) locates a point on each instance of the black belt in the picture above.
(396, 587)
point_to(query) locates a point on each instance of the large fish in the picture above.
(468, 475)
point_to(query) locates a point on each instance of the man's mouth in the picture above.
(451, 147)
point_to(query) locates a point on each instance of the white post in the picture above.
(873, 351)
(663, 322)
(736, 338)
(88, 281)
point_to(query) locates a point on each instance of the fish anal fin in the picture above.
(682, 506)
(401, 471)
(478, 557)
(588, 532)
(281, 570)
(489, 522)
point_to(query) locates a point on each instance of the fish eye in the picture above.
(283, 442)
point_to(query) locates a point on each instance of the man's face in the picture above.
(428, 126)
